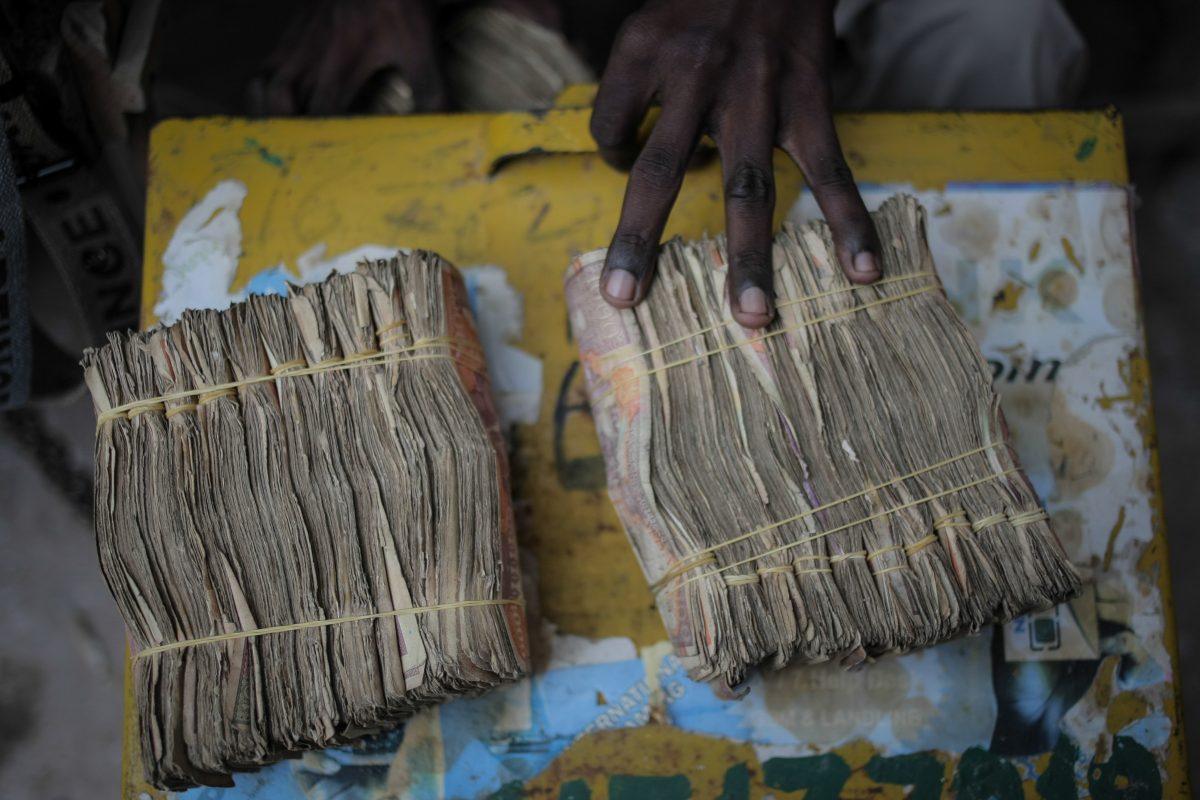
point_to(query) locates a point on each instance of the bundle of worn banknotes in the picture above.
(838, 485)
(303, 512)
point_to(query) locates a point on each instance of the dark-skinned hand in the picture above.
(752, 74)
(331, 49)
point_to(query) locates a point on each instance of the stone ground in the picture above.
(60, 635)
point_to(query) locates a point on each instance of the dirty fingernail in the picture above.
(865, 263)
(621, 285)
(753, 301)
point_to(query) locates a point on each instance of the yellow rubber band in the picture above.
(319, 623)
(179, 409)
(883, 550)
(779, 332)
(411, 353)
(363, 356)
(782, 304)
(688, 563)
(288, 366)
(144, 407)
(391, 326)
(215, 394)
(920, 544)
(1028, 517)
(823, 534)
(987, 522)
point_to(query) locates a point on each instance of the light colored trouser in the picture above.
(961, 54)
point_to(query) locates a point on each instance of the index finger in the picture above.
(654, 184)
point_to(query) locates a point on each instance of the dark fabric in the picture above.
(15, 344)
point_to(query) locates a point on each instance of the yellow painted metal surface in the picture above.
(528, 191)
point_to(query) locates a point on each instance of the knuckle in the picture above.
(637, 38)
(756, 66)
(806, 95)
(659, 167)
(750, 185)
(809, 73)
(608, 130)
(697, 47)
(830, 172)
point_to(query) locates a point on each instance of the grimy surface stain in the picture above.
(1081, 455)
(1058, 289)
(973, 230)
(824, 704)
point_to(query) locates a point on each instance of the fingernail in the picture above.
(621, 285)
(865, 263)
(753, 301)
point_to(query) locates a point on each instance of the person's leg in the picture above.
(960, 54)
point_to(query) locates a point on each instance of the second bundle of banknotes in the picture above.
(838, 485)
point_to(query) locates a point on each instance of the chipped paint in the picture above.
(265, 155)
(201, 259)
(1125, 709)
(1112, 538)
(1007, 298)
(1069, 252)
(1134, 372)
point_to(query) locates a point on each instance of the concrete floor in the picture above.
(61, 638)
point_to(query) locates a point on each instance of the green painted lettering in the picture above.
(513, 790)
(1130, 773)
(922, 771)
(737, 783)
(984, 776)
(823, 776)
(649, 787)
(1058, 781)
(575, 790)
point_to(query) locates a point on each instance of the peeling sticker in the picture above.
(202, 257)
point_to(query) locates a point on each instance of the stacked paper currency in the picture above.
(836, 486)
(303, 512)
(500, 61)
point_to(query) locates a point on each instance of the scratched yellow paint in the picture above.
(1125, 708)
(527, 191)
